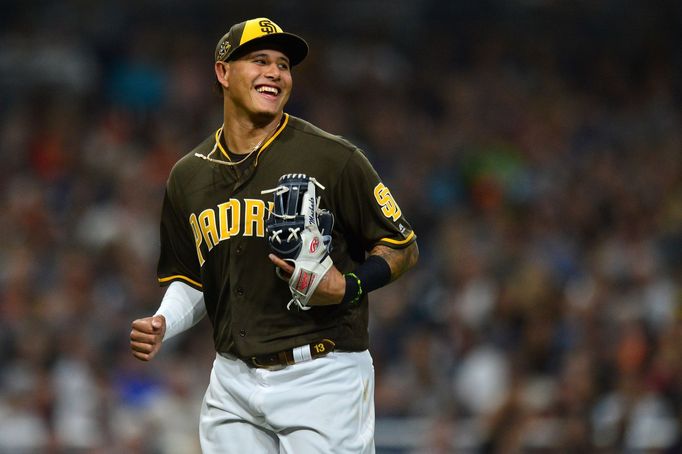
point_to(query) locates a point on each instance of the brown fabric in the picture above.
(213, 238)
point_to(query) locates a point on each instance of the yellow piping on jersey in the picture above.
(398, 242)
(180, 276)
(220, 145)
(280, 129)
(263, 147)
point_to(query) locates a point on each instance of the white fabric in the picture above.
(182, 306)
(302, 354)
(321, 406)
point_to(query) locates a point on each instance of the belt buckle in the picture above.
(257, 364)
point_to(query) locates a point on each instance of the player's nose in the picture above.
(272, 71)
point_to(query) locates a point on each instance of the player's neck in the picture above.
(242, 135)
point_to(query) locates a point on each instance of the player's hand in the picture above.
(146, 336)
(331, 289)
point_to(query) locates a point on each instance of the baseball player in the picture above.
(287, 378)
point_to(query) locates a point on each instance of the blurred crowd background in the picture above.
(535, 146)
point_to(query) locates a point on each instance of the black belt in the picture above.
(292, 356)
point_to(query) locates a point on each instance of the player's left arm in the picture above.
(333, 286)
(399, 260)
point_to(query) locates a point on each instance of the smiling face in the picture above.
(257, 84)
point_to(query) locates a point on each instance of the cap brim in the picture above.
(293, 46)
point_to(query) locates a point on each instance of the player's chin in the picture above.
(269, 108)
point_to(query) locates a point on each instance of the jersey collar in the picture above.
(280, 128)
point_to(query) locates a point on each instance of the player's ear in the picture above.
(222, 69)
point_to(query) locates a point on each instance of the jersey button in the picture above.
(240, 291)
(238, 251)
(242, 333)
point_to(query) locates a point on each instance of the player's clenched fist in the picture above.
(146, 336)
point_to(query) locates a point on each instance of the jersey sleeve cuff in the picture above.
(398, 244)
(167, 280)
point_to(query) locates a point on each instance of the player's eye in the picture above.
(283, 66)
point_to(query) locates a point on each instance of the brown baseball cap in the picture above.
(260, 33)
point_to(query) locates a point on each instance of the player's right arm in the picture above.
(182, 305)
(146, 336)
(181, 308)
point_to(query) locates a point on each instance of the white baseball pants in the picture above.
(324, 406)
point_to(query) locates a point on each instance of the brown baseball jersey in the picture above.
(213, 237)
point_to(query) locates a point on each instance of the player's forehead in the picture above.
(271, 54)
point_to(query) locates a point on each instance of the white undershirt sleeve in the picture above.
(182, 306)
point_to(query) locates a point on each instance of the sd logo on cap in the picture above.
(260, 33)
